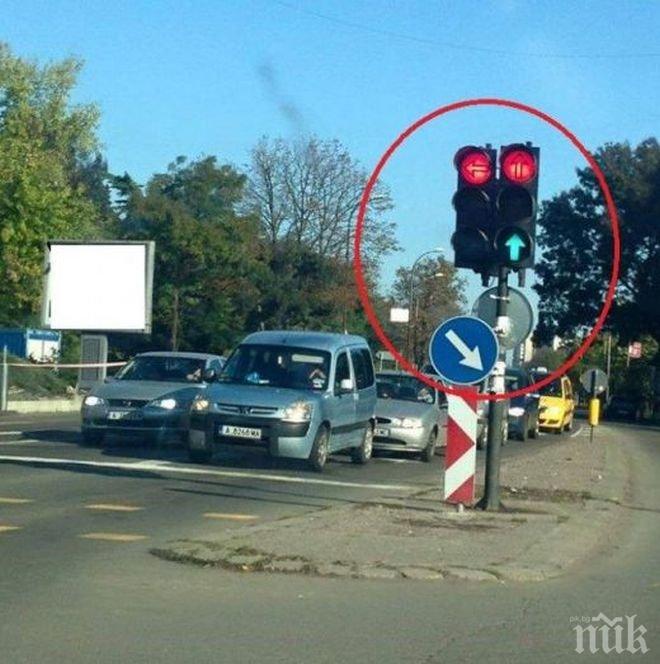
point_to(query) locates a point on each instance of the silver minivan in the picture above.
(302, 395)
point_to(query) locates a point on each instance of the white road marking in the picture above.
(113, 507)
(5, 500)
(578, 432)
(6, 528)
(22, 441)
(113, 537)
(158, 466)
(10, 433)
(230, 517)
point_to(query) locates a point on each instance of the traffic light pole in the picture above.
(497, 410)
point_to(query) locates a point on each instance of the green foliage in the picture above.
(43, 140)
(205, 268)
(577, 247)
(437, 294)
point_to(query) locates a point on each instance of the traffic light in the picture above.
(516, 206)
(474, 202)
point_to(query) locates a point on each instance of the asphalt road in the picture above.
(77, 583)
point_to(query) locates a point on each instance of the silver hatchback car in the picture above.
(302, 395)
(410, 415)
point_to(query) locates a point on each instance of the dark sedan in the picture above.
(151, 396)
(523, 416)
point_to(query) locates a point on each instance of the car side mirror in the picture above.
(345, 386)
(209, 376)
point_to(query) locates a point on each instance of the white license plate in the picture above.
(117, 414)
(382, 432)
(240, 432)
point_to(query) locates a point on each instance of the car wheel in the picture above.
(319, 452)
(534, 431)
(91, 437)
(428, 452)
(362, 454)
(155, 437)
(200, 456)
(569, 425)
(482, 439)
(522, 434)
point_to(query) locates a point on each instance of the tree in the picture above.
(437, 295)
(577, 248)
(306, 194)
(309, 191)
(205, 267)
(44, 139)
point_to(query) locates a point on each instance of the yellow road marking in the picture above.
(5, 500)
(113, 507)
(113, 537)
(6, 529)
(230, 517)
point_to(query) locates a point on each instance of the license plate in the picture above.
(382, 432)
(240, 432)
(117, 414)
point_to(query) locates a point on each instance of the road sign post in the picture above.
(595, 381)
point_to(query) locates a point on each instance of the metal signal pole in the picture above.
(497, 409)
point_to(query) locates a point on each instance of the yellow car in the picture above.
(556, 406)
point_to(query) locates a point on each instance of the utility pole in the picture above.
(4, 381)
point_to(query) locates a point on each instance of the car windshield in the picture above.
(403, 388)
(278, 366)
(551, 390)
(514, 381)
(163, 369)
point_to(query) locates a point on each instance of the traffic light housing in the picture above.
(516, 206)
(495, 212)
(474, 202)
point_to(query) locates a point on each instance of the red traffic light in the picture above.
(474, 166)
(518, 165)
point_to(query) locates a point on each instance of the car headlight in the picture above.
(411, 423)
(166, 404)
(516, 411)
(300, 411)
(91, 400)
(201, 405)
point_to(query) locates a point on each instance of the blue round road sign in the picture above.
(463, 350)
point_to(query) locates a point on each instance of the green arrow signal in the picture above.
(515, 243)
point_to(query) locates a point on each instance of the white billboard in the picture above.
(101, 286)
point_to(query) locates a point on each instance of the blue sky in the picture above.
(188, 78)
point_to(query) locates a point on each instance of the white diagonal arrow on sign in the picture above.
(471, 356)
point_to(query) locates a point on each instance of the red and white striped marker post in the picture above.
(461, 449)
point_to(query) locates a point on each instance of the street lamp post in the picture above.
(411, 296)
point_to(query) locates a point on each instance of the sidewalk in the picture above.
(561, 505)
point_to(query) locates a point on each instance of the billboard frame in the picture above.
(150, 250)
